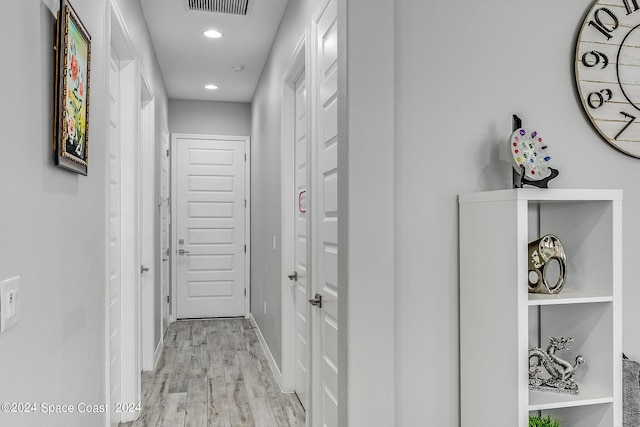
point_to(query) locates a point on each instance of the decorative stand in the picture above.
(519, 176)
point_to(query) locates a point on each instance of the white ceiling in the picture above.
(189, 60)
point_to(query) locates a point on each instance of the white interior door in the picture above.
(325, 221)
(210, 206)
(301, 245)
(115, 243)
(165, 231)
(148, 300)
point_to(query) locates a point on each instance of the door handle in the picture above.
(317, 301)
(182, 252)
(293, 276)
(143, 269)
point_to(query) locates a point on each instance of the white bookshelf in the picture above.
(500, 320)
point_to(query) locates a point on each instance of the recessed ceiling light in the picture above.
(211, 87)
(213, 34)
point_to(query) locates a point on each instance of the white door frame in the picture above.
(297, 63)
(146, 229)
(247, 192)
(164, 296)
(120, 42)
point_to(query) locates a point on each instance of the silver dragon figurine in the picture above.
(560, 371)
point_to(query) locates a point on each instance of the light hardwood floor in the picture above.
(213, 373)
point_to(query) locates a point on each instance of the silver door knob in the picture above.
(293, 276)
(317, 301)
(143, 269)
(182, 252)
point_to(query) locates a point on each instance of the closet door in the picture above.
(325, 220)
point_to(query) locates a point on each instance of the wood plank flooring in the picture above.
(213, 373)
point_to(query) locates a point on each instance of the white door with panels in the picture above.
(325, 221)
(210, 225)
(146, 209)
(301, 244)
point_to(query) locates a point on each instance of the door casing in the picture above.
(298, 62)
(164, 232)
(121, 44)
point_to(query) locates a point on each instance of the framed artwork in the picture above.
(73, 67)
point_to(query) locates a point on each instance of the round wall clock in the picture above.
(607, 68)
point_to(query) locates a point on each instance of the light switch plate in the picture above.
(9, 303)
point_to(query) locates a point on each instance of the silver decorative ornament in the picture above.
(559, 372)
(541, 253)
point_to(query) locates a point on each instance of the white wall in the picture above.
(210, 118)
(266, 276)
(367, 214)
(52, 222)
(462, 69)
(53, 226)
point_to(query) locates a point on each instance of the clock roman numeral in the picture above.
(610, 24)
(634, 4)
(628, 116)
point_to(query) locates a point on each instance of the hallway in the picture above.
(214, 373)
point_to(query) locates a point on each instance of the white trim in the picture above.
(158, 353)
(172, 212)
(343, 213)
(247, 236)
(247, 228)
(130, 263)
(107, 237)
(165, 308)
(120, 42)
(267, 352)
(297, 64)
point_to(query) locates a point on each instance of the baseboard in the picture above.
(157, 354)
(272, 362)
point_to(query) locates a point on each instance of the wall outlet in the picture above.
(9, 303)
(265, 307)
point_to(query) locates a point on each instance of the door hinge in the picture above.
(167, 152)
(245, 249)
(245, 292)
(168, 299)
(245, 203)
(245, 157)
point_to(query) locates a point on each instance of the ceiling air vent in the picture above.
(232, 7)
